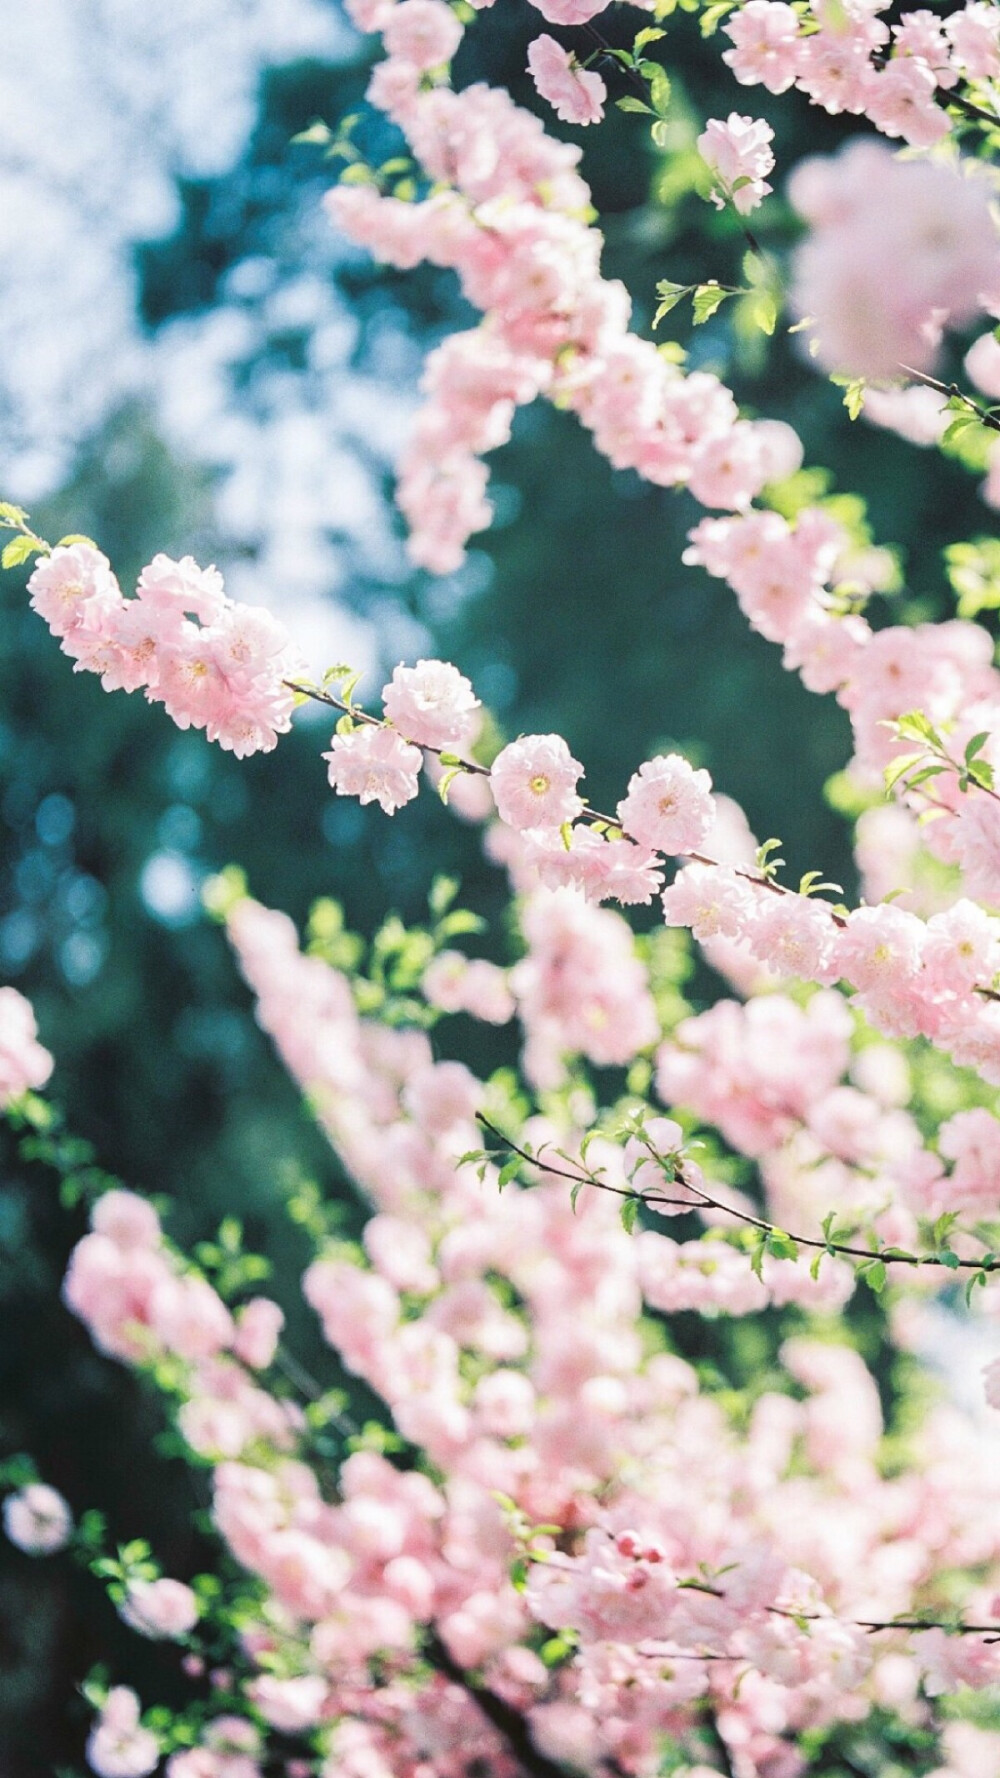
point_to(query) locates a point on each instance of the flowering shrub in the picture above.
(558, 1543)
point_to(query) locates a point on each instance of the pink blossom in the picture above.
(24, 1065)
(534, 781)
(424, 33)
(189, 1317)
(575, 95)
(258, 1329)
(431, 704)
(162, 1609)
(67, 583)
(870, 214)
(795, 936)
(974, 34)
(570, 12)
(764, 34)
(126, 1219)
(290, 1704)
(669, 805)
(37, 1519)
(710, 900)
(982, 364)
(463, 984)
(374, 764)
(976, 845)
(739, 153)
(117, 1746)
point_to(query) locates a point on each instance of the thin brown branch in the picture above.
(704, 1200)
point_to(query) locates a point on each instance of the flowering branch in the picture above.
(776, 1241)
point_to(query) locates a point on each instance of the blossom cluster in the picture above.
(695, 1567)
(24, 1064)
(846, 59)
(213, 664)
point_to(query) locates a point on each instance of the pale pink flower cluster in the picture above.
(213, 664)
(24, 1064)
(163, 1609)
(871, 214)
(455, 983)
(433, 705)
(462, 1314)
(740, 155)
(512, 228)
(125, 1283)
(118, 1746)
(37, 1519)
(228, 1749)
(855, 63)
(575, 95)
(374, 764)
(669, 806)
(580, 989)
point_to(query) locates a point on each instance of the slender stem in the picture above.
(985, 416)
(589, 818)
(704, 1200)
(508, 1722)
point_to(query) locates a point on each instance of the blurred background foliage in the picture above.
(573, 614)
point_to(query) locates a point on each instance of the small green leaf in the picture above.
(319, 133)
(18, 550)
(898, 768)
(707, 298)
(629, 1212)
(874, 1274)
(765, 311)
(628, 103)
(781, 1245)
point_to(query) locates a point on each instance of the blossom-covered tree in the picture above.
(556, 1542)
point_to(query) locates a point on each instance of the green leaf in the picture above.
(319, 133)
(659, 88)
(628, 103)
(446, 781)
(898, 768)
(713, 15)
(442, 893)
(707, 298)
(18, 550)
(874, 1274)
(629, 1212)
(854, 394)
(765, 310)
(781, 1245)
(977, 1278)
(949, 1259)
(509, 1171)
(651, 34)
(670, 295)
(75, 537)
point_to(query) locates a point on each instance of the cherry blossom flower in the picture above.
(576, 95)
(375, 765)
